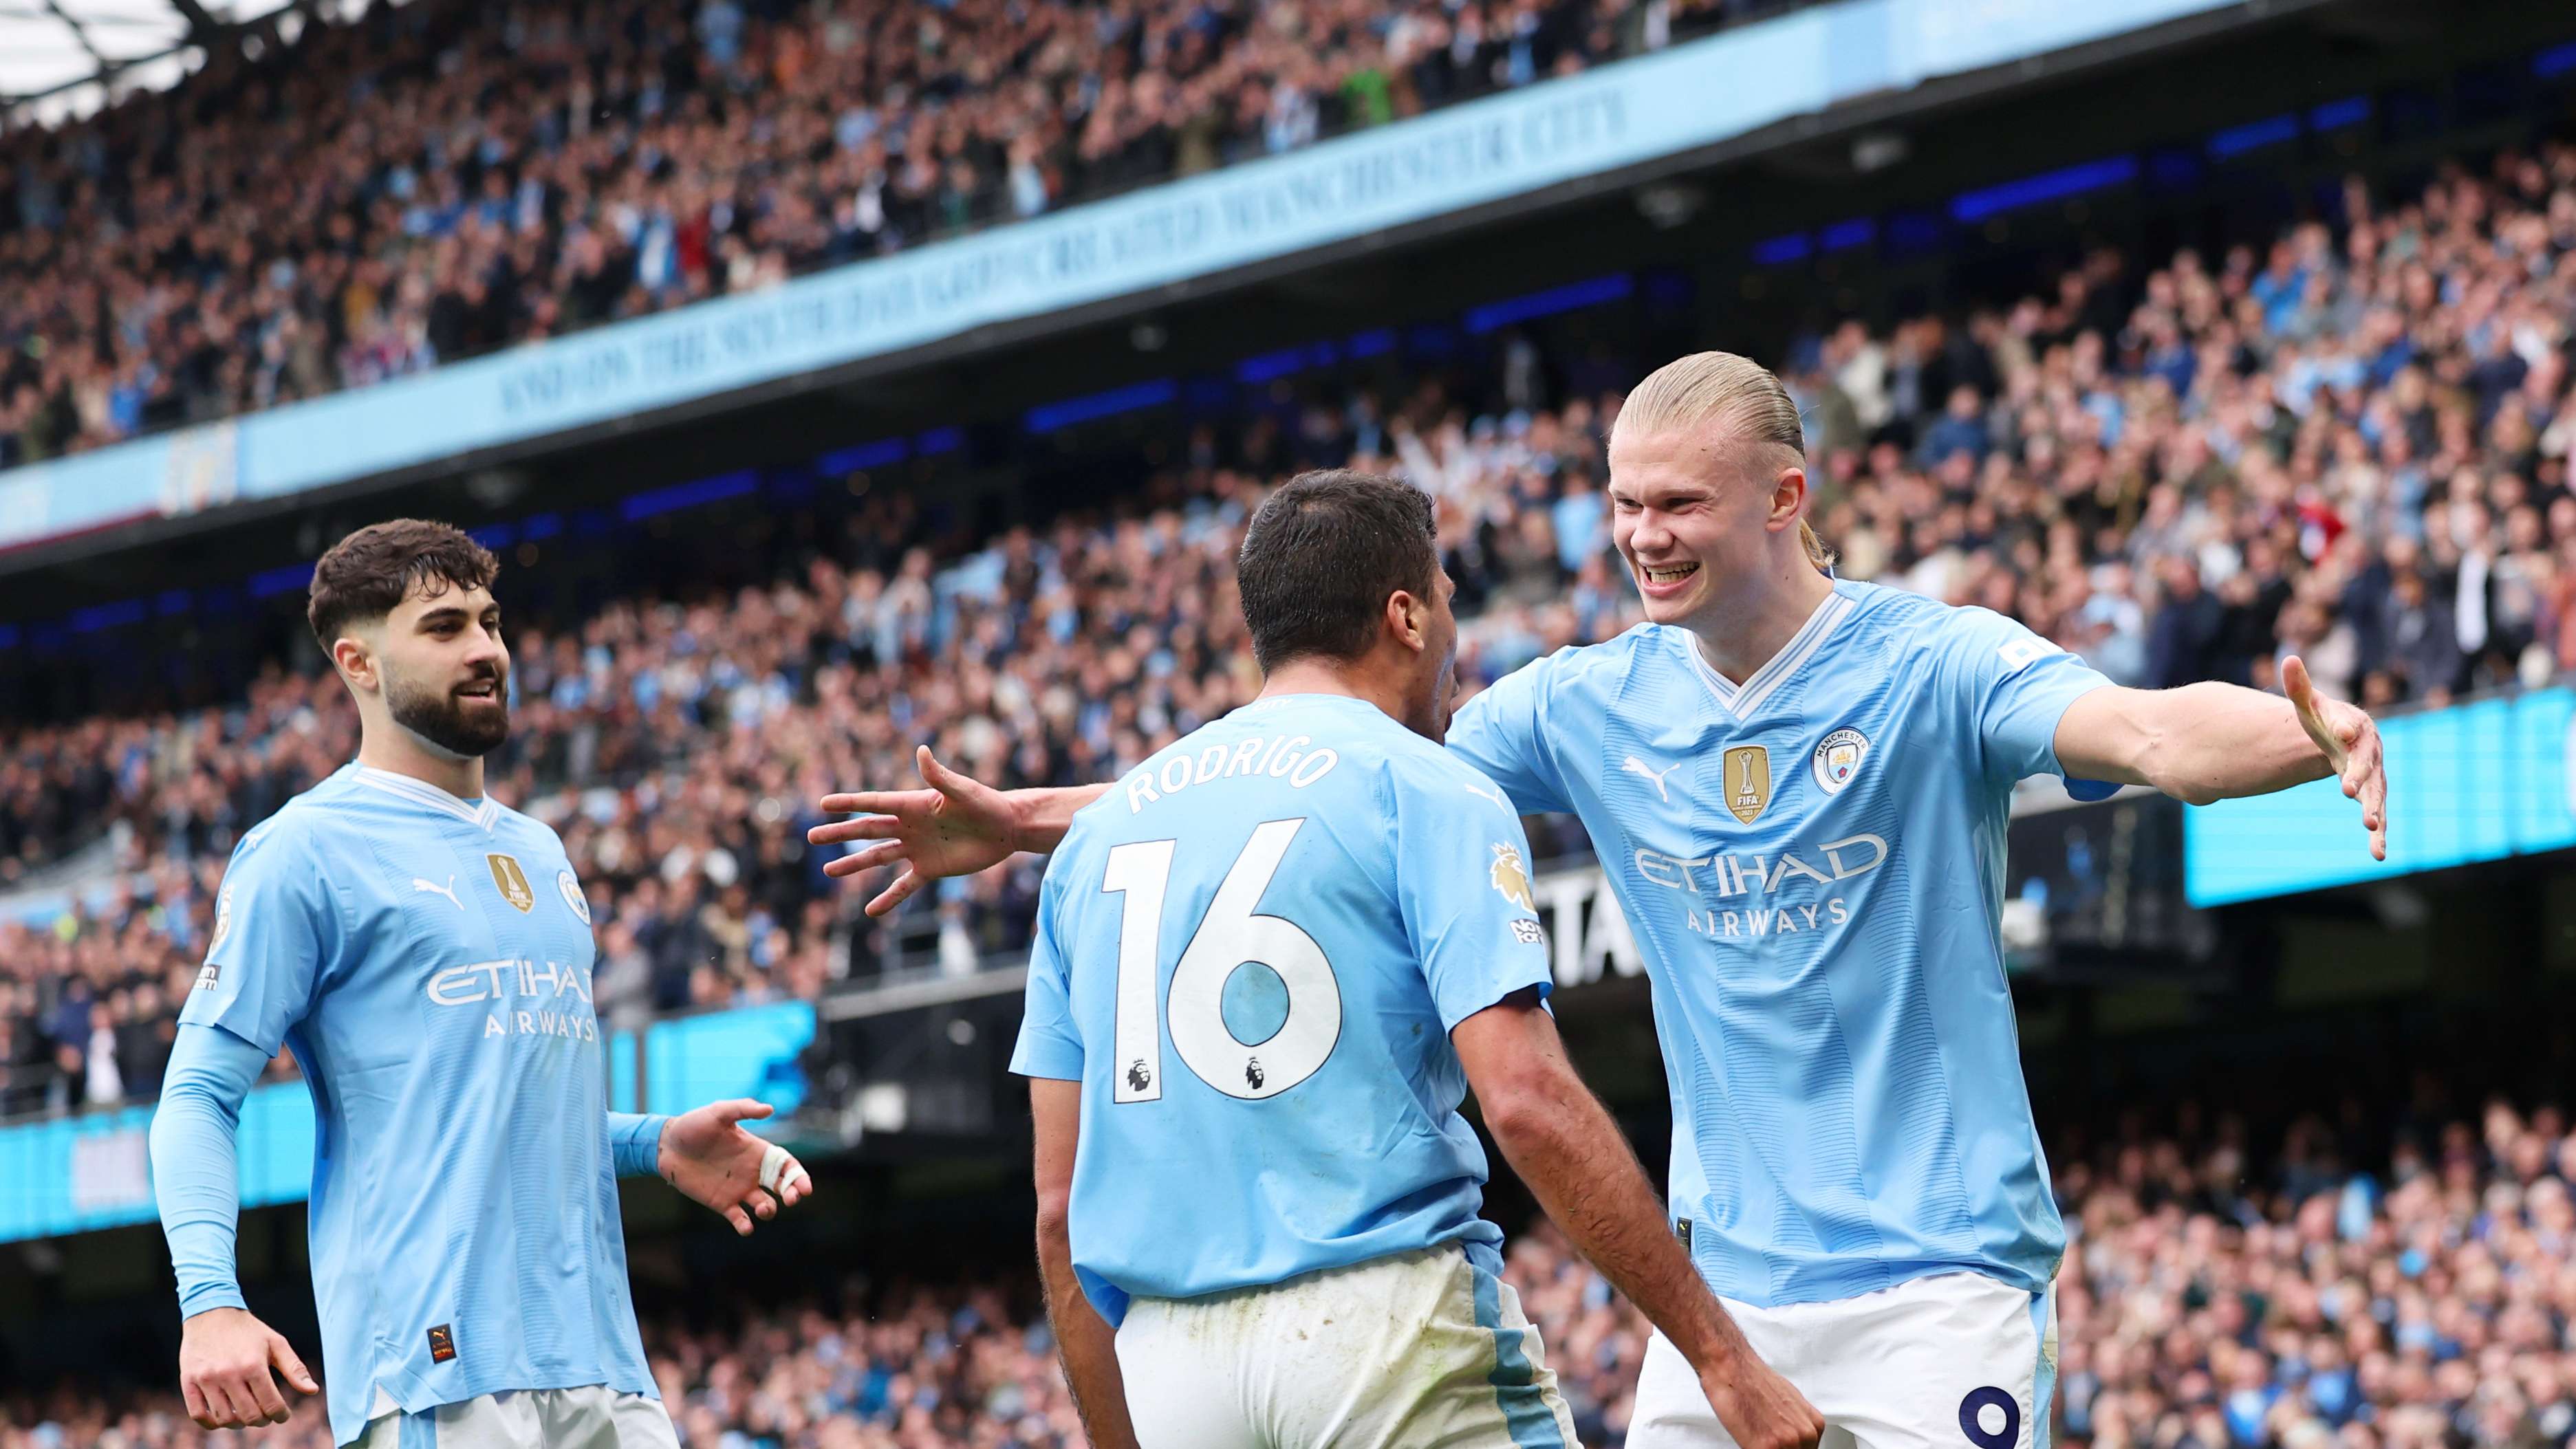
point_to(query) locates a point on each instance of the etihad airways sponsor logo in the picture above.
(1729, 874)
(521, 997)
(1764, 894)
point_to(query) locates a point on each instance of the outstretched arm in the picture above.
(954, 825)
(2205, 742)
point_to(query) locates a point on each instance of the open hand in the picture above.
(2350, 743)
(956, 826)
(708, 1156)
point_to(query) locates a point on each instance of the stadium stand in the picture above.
(464, 185)
(2403, 1285)
(679, 748)
(2350, 440)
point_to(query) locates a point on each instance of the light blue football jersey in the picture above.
(429, 961)
(1812, 866)
(1251, 952)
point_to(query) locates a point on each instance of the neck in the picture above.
(1350, 679)
(384, 745)
(1740, 635)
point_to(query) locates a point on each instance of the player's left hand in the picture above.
(2350, 743)
(707, 1155)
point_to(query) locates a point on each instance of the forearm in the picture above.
(2206, 742)
(194, 1165)
(1086, 1342)
(1572, 1156)
(1040, 817)
(635, 1142)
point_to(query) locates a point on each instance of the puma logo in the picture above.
(1634, 766)
(1481, 793)
(434, 888)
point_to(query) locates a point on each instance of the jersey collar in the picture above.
(1745, 700)
(485, 812)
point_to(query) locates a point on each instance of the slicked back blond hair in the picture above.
(1719, 390)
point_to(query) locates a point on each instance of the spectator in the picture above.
(2423, 642)
(2183, 643)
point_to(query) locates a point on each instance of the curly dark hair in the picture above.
(366, 574)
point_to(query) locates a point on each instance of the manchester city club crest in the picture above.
(1838, 758)
(572, 895)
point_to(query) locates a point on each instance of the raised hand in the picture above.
(2350, 743)
(954, 826)
(708, 1156)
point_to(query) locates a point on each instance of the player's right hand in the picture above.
(957, 826)
(225, 1356)
(1760, 1408)
(2349, 740)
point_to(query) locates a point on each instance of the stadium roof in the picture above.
(62, 57)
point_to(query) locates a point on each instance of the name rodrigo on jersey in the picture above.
(1279, 757)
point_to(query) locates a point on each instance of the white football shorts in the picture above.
(1419, 1350)
(1959, 1361)
(596, 1417)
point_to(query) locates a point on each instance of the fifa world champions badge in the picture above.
(1748, 782)
(513, 882)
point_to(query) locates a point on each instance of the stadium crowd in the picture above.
(2341, 1294)
(466, 179)
(679, 747)
(2352, 443)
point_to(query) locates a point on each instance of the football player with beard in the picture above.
(426, 952)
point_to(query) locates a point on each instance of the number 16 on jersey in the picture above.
(1227, 937)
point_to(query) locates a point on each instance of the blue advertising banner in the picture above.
(1453, 160)
(2479, 781)
(77, 1174)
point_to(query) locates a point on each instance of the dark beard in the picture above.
(440, 718)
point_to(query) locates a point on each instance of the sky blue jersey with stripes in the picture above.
(1812, 866)
(428, 959)
(1250, 953)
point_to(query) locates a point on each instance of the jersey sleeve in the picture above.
(2016, 688)
(276, 925)
(1463, 886)
(635, 1142)
(1048, 1046)
(195, 1178)
(1503, 733)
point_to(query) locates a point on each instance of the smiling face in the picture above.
(1695, 511)
(444, 669)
